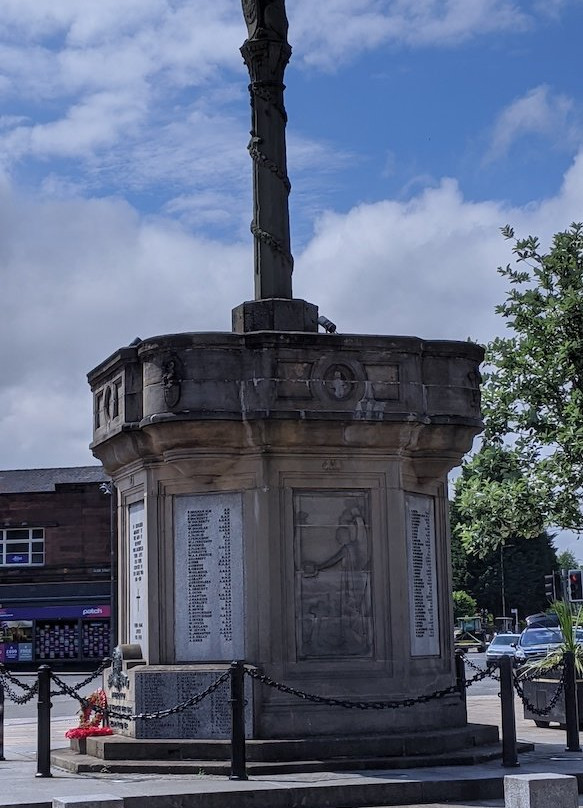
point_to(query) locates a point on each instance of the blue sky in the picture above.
(417, 129)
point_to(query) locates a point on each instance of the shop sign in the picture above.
(55, 612)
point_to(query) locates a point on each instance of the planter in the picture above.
(540, 692)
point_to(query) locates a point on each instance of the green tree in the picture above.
(567, 561)
(499, 544)
(495, 501)
(525, 562)
(464, 605)
(533, 387)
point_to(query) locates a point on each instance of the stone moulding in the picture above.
(424, 394)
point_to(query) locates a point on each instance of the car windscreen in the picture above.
(540, 636)
(504, 639)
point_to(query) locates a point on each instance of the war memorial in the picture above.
(282, 492)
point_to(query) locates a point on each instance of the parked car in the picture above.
(501, 645)
(536, 642)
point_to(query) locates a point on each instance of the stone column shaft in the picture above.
(266, 60)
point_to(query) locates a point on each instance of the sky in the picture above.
(417, 129)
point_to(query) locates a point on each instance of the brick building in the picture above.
(56, 536)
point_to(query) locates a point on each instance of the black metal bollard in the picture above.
(238, 764)
(460, 675)
(571, 710)
(509, 751)
(43, 751)
(2, 722)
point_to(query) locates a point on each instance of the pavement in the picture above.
(463, 786)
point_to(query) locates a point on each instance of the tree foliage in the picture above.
(495, 501)
(464, 605)
(528, 473)
(567, 561)
(533, 387)
(525, 562)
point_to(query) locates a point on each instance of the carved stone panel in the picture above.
(423, 601)
(137, 571)
(208, 572)
(332, 552)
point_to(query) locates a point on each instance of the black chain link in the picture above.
(555, 698)
(103, 665)
(487, 671)
(29, 690)
(108, 712)
(253, 673)
(482, 674)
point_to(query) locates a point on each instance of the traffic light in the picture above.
(575, 585)
(550, 587)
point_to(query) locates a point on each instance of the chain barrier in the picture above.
(108, 712)
(253, 673)
(29, 693)
(493, 673)
(103, 665)
(541, 711)
(64, 689)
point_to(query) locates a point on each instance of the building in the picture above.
(56, 534)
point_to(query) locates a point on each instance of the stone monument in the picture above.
(283, 492)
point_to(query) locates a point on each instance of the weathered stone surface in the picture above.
(337, 448)
(275, 314)
(540, 791)
(89, 801)
(150, 689)
(261, 376)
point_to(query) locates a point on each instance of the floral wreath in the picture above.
(92, 720)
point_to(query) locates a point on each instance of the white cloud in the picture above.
(338, 30)
(539, 112)
(426, 266)
(81, 278)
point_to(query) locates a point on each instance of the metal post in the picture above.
(2, 722)
(509, 751)
(460, 674)
(502, 582)
(238, 767)
(43, 753)
(571, 711)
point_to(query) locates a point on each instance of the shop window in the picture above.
(22, 546)
(56, 639)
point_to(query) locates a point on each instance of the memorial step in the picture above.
(85, 764)
(120, 747)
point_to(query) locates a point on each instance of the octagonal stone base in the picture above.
(283, 500)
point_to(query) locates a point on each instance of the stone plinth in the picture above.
(151, 689)
(540, 791)
(275, 314)
(283, 500)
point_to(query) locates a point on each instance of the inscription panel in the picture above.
(209, 619)
(332, 550)
(423, 603)
(137, 583)
(150, 690)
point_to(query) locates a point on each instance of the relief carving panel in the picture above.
(332, 557)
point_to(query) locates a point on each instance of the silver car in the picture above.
(501, 645)
(536, 643)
